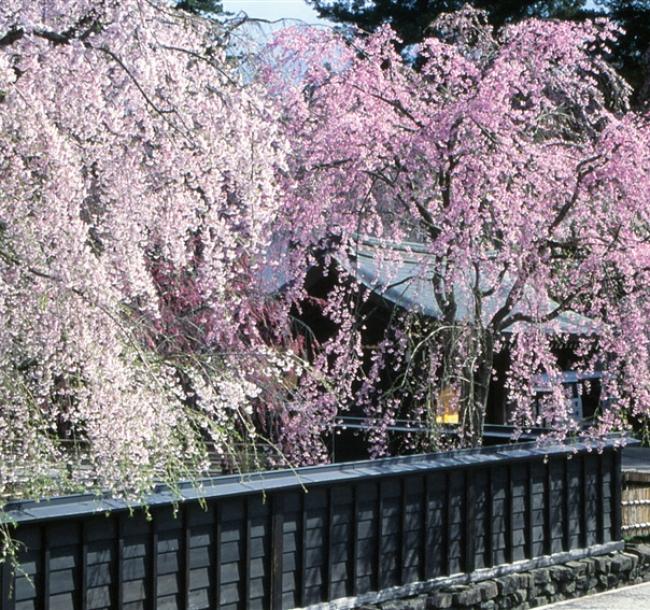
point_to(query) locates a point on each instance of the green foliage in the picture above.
(632, 51)
(200, 7)
(411, 18)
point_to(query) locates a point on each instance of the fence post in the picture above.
(584, 507)
(426, 525)
(447, 522)
(528, 505)
(468, 553)
(45, 563)
(247, 552)
(153, 563)
(379, 572)
(401, 567)
(508, 517)
(83, 568)
(216, 599)
(185, 558)
(355, 539)
(600, 509)
(616, 495)
(489, 515)
(277, 522)
(329, 559)
(548, 513)
(7, 586)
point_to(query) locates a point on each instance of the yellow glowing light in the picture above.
(448, 407)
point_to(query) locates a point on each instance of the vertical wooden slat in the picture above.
(566, 508)
(616, 495)
(83, 571)
(379, 573)
(489, 519)
(508, 516)
(402, 532)
(600, 508)
(548, 541)
(328, 545)
(153, 563)
(45, 568)
(118, 591)
(355, 540)
(447, 522)
(246, 560)
(584, 517)
(469, 537)
(184, 567)
(426, 549)
(277, 539)
(302, 594)
(216, 591)
(530, 528)
(7, 596)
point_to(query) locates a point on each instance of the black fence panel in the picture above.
(284, 540)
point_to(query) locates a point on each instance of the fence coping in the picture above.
(64, 507)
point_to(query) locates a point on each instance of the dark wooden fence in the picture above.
(285, 539)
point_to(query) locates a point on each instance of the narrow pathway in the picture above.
(636, 597)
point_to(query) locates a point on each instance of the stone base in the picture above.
(535, 587)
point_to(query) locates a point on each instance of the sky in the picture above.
(274, 9)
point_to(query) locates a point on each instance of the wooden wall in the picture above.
(333, 532)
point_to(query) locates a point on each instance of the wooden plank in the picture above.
(602, 505)
(45, 570)
(216, 574)
(584, 517)
(548, 503)
(277, 538)
(616, 495)
(328, 546)
(184, 557)
(378, 571)
(509, 510)
(426, 546)
(7, 586)
(447, 522)
(355, 539)
(302, 531)
(489, 516)
(83, 572)
(469, 537)
(530, 500)
(245, 561)
(153, 564)
(401, 559)
(117, 588)
(566, 509)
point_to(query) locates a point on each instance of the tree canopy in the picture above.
(200, 6)
(137, 194)
(159, 214)
(411, 18)
(511, 164)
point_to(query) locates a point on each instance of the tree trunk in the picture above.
(475, 387)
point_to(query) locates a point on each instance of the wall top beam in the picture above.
(22, 512)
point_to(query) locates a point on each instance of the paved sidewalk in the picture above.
(636, 597)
